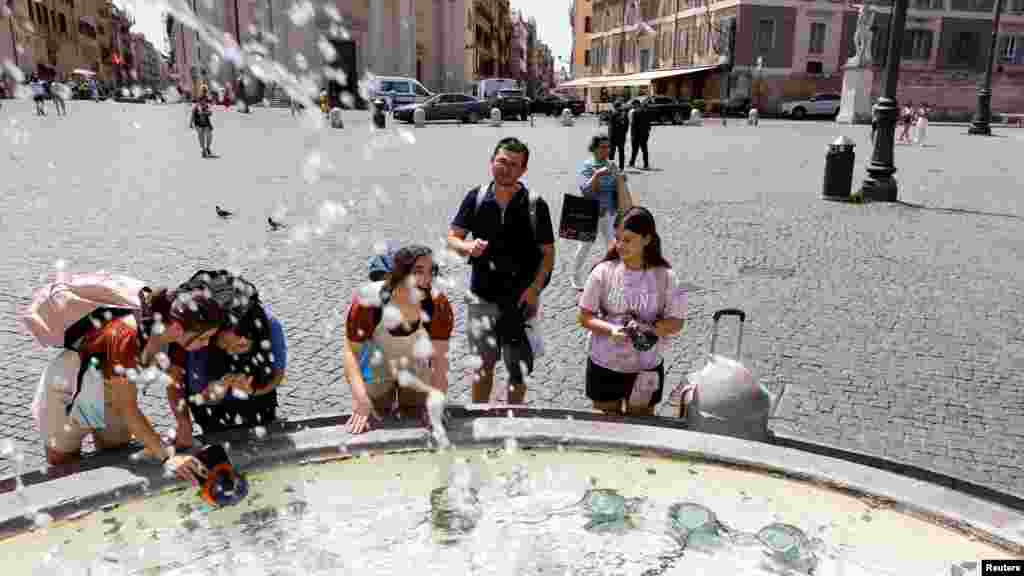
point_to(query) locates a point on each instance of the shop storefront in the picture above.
(600, 92)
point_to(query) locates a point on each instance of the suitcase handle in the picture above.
(714, 329)
(731, 312)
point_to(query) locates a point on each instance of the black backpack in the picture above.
(533, 200)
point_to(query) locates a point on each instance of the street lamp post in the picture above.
(879, 183)
(760, 79)
(983, 116)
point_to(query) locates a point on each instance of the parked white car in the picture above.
(817, 105)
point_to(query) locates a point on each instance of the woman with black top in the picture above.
(201, 113)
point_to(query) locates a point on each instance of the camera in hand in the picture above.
(642, 339)
(222, 486)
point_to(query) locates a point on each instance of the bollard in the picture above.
(379, 118)
(336, 120)
(753, 117)
(839, 169)
(696, 119)
(567, 119)
(495, 116)
(419, 117)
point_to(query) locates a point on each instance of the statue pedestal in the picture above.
(855, 107)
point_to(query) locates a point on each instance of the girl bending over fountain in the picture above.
(233, 382)
(397, 334)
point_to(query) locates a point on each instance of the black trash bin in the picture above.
(379, 106)
(839, 169)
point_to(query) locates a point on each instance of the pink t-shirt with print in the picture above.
(616, 295)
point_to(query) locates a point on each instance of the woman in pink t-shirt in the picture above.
(631, 303)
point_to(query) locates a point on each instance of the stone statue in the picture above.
(862, 37)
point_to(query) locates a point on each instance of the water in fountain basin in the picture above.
(450, 513)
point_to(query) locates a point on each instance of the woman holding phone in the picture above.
(599, 179)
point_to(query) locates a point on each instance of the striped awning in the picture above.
(637, 79)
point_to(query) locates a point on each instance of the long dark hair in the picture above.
(257, 362)
(194, 309)
(639, 220)
(402, 263)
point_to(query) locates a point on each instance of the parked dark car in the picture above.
(512, 103)
(449, 106)
(738, 106)
(553, 105)
(664, 109)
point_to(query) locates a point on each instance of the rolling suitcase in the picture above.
(722, 397)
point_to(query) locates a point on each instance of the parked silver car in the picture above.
(817, 105)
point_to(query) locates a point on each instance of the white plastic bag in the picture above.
(536, 340)
(57, 378)
(89, 408)
(644, 387)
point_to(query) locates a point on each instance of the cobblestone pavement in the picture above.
(896, 328)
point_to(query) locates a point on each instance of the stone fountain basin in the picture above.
(907, 521)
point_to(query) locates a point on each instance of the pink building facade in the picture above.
(520, 46)
(422, 39)
(802, 47)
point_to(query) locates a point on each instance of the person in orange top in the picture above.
(397, 331)
(122, 350)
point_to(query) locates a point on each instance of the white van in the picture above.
(489, 87)
(399, 91)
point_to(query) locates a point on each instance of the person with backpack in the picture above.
(512, 254)
(631, 304)
(232, 382)
(397, 329)
(92, 388)
(599, 180)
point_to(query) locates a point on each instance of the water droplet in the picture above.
(391, 317)
(260, 432)
(326, 49)
(406, 136)
(42, 520)
(301, 13)
(474, 362)
(423, 349)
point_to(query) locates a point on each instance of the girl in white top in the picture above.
(397, 334)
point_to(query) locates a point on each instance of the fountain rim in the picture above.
(109, 478)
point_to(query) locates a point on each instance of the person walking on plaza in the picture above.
(512, 254)
(397, 330)
(906, 122)
(201, 112)
(598, 179)
(58, 90)
(921, 125)
(618, 128)
(640, 134)
(631, 305)
(38, 95)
